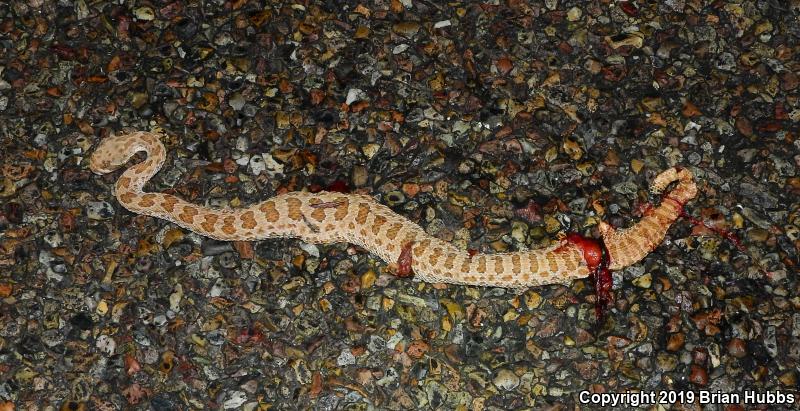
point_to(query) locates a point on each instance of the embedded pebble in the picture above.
(506, 380)
(106, 344)
(234, 399)
(99, 210)
(345, 358)
(144, 13)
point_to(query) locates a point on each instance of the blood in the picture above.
(629, 8)
(645, 209)
(339, 186)
(14, 213)
(64, 52)
(531, 212)
(592, 249)
(249, 334)
(726, 234)
(596, 257)
(404, 261)
(602, 280)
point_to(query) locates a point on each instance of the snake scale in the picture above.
(327, 217)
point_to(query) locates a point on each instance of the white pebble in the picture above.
(355, 94)
(175, 298)
(346, 358)
(398, 49)
(310, 249)
(99, 210)
(506, 380)
(273, 167)
(256, 163)
(234, 399)
(106, 344)
(394, 340)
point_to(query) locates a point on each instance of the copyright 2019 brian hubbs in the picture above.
(703, 397)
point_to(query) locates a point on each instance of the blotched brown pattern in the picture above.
(361, 220)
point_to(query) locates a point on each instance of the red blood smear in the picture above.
(719, 231)
(249, 335)
(339, 186)
(602, 285)
(726, 234)
(596, 256)
(592, 251)
(645, 209)
(404, 262)
(531, 212)
(14, 213)
(629, 8)
(65, 52)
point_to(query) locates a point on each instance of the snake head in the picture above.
(112, 153)
(102, 160)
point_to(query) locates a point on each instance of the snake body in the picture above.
(328, 217)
